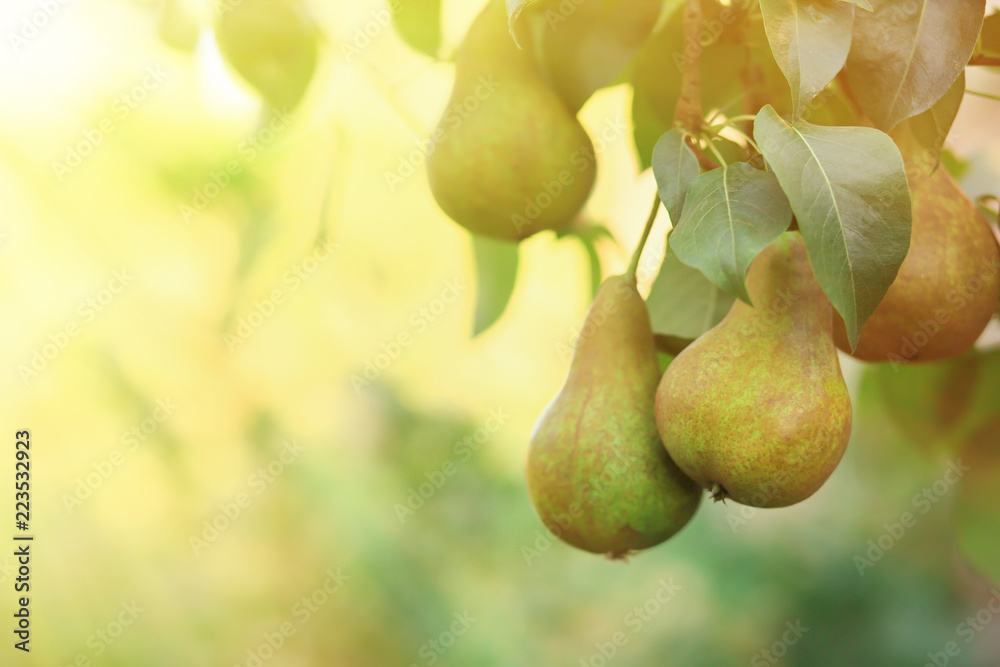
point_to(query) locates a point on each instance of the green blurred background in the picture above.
(207, 322)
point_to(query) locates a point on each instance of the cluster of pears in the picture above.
(508, 159)
(755, 410)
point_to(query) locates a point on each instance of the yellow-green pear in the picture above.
(756, 409)
(507, 159)
(598, 475)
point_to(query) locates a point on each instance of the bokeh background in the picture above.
(234, 391)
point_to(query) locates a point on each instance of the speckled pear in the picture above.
(507, 159)
(756, 409)
(948, 287)
(598, 474)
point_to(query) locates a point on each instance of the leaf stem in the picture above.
(633, 266)
(716, 153)
(986, 95)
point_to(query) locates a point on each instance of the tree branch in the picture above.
(988, 61)
(688, 113)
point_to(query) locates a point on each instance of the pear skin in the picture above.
(948, 287)
(507, 159)
(598, 475)
(756, 409)
(273, 45)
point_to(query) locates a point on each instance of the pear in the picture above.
(948, 286)
(272, 44)
(598, 475)
(756, 409)
(507, 159)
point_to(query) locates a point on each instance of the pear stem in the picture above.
(633, 266)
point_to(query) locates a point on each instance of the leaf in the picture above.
(848, 190)
(682, 302)
(863, 4)
(496, 273)
(732, 214)
(675, 168)
(418, 22)
(588, 237)
(810, 40)
(907, 53)
(921, 139)
(582, 46)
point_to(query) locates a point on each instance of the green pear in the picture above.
(272, 44)
(948, 287)
(598, 474)
(756, 409)
(507, 159)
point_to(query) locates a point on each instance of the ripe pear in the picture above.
(507, 159)
(948, 286)
(598, 475)
(756, 409)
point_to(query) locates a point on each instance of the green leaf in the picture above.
(732, 214)
(418, 22)
(921, 139)
(907, 53)
(848, 190)
(496, 274)
(582, 46)
(682, 302)
(588, 237)
(675, 168)
(810, 40)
